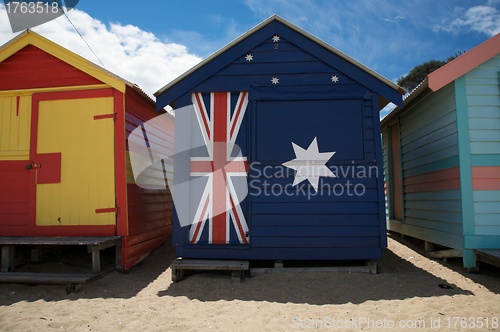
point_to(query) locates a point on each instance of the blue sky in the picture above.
(152, 42)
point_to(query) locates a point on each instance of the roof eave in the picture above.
(423, 86)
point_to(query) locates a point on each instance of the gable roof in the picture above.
(464, 63)
(210, 61)
(451, 71)
(30, 37)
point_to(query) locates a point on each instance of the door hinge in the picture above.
(108, 210)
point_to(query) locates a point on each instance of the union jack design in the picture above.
(219, 204)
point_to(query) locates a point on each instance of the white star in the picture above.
(275, 80)
(276, 38)
(335, 78)
(310, 164)
(249, 57)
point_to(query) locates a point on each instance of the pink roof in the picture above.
(464, 63)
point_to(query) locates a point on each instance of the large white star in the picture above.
(310, 164)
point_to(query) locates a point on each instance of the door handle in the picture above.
(33, 165)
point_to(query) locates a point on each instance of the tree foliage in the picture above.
(418, 73)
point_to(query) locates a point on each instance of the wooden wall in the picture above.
(430, 169)
(483, 118)
(305, 104)
(149, 212)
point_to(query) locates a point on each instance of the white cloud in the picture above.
(483, 19)
(125, 50)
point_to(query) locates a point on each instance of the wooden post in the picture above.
(36, 254)
(428, 246)
(7, 258)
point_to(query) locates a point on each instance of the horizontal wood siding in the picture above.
(294, 221)
(483, 110)
(149, 211)
(431, 176)
(486, 212)
(33, 68)
(14, 203)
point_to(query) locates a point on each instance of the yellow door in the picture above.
(82, 146)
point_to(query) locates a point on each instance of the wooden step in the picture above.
(237, 267)
(46, 278)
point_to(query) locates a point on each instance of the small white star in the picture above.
(335, 79)
(275, 80)
(276, 38)
(310, 164)
(249, 57)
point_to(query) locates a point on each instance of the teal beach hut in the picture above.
(442, 156)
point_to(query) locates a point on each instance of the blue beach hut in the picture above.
(284, 158)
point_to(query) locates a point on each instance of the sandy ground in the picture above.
(404, 296)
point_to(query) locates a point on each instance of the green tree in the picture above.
(418, 73)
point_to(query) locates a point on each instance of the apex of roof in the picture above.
(293, 27)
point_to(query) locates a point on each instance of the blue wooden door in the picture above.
(312, 182)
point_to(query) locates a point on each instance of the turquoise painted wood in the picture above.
(457, 126)
(483, 107)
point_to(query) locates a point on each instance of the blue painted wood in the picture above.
(316, 242)
(465, 157)
(281, 253)
(287, 221)
(357, 220)
(237, 52)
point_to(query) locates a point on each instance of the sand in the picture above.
(404, 296)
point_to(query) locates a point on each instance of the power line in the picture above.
(90, 48)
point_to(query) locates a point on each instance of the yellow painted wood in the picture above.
(87, 172)
(31, 38)
(15, 127)
(29, 92)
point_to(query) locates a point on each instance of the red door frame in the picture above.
(119, 146)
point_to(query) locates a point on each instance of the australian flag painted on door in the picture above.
(278, 146)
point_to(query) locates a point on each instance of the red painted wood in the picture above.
(106, 210)
(136, 248)
(99, 230)
(486, 178)
(397, 181)
(50, 170)
(446, 179)
(33, 68)
(153, 206)
(122, 227)
(146, 236)
(148, 210)
(14, 187)
(105, 116)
